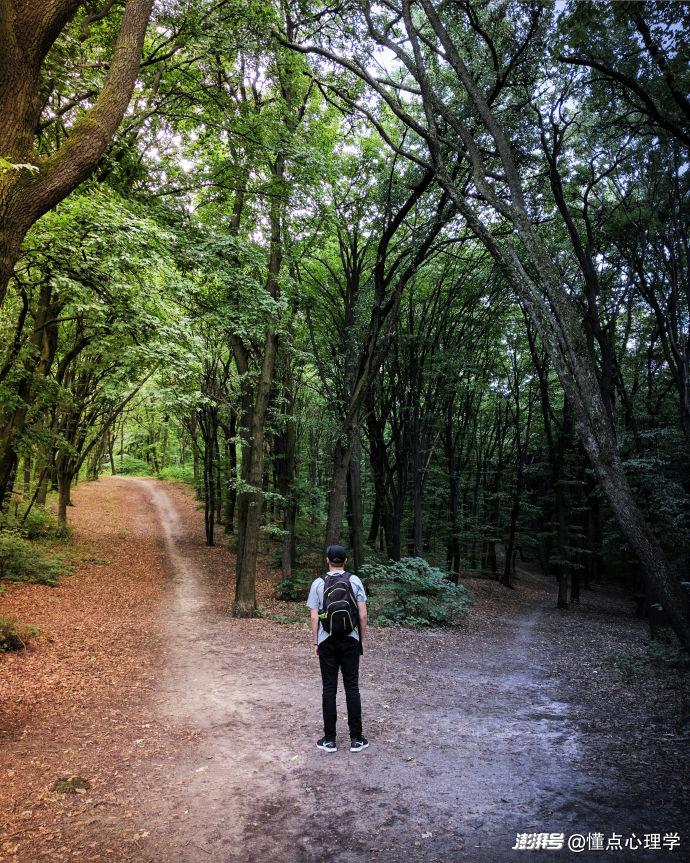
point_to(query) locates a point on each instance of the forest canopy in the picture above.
(411, 276)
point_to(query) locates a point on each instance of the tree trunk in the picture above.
(25, 196)
(249, 521)
(355, 513)
(418, 484)
(379, 471)
(209, 479)
(65, 467)
(152, 445)
(250, 506)
(231, 495)
(164, 446)
(342, 453)
(560, 476)
(27, 477)
(562, 566)
(288, 551)
(508, 563)
(452, 544)
(218, 476)
(111, 452)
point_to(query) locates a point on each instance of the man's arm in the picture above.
(362, 606)
(315, 628)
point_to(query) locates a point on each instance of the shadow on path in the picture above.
(470, 742)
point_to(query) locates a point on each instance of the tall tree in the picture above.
(464, 115)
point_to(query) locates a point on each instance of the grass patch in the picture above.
(177, 473)
(75, 785)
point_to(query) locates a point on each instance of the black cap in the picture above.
(336, 554)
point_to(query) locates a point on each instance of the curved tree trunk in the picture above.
(27, 33)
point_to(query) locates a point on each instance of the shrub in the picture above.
(22, 560)
(410, 592)
(38, 524)
(13, 636)
(295, 588)
(629, 665)
(667, 652)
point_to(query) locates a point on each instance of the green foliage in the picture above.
(156, 271)
(14, 635)
(310, 499)
(38, 524)
(660, 653)
(630, 666)
(410, 592)
(130, 465)
(299, 615)
(295, 588)
(273, 531)
(178, 473)
(666, 502)
(23, 560)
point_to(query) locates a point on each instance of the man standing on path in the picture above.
(339, 651)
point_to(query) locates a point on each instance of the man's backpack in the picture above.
(339, 614)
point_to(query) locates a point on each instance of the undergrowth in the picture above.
(129, 465)
(295, 588)
(660, 653)
(177, 473)
(410, 592)
(23, 556)
(14, 635)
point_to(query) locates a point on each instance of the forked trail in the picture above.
(474, 739)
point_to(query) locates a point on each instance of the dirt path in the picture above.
(474, 736)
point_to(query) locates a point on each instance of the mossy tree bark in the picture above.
(27, 32)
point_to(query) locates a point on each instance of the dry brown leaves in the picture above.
(84, 679)
(78, 702)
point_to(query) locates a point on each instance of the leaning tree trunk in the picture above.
(544, 298)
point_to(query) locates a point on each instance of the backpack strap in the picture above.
(347, 577)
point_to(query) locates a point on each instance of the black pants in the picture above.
(340, 654)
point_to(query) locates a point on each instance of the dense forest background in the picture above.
(409, 275)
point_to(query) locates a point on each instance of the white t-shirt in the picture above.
(315, 599)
